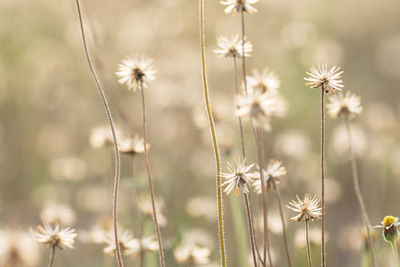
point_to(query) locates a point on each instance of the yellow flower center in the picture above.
(388, 221)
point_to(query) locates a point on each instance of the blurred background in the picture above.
(56, 161)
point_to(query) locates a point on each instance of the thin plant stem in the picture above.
(308, 246)
(239, 119)
(285, 240)
(149, 176)
(357, 189)
(214, 137)
(138, 215)
(52, 255)
(243, 55)
(395, 255)
(114, 136)
(323, 252)
(264, 198)
(251, 228)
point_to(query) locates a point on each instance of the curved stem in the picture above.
(308, 246)
(150, 180)
(237, 106)
(323, 253)
(285, 240)
(52, 254)
(214, 137)
(251, 228)
(395, 255)
(114, 136)
(357, 190)
(264, 198)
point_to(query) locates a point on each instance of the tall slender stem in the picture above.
(308, 246)
(214, 137)
(114, 136)
(395, 255)
(357, 189)
(264, 198)
(148, 169)
(52, 254)
(251, 228)
(239, 119)
(243, 55)
(138, 215)
(285, 240)
(323, 253)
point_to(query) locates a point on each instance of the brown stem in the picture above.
(308, 245)
(251, 228)
(285, 240)
(357, 189)
(150, 180)
(237, 106)
(323, 253)
(243, 55)
(52, 254)
(114, 136)
(264, 198)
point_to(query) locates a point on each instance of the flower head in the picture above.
(136, 72)
(238, 177)
(261, 107)
(58, 213)
(348, 104)
(61, 238)
(132, 145)
(390, 231)
(272, 174)
(233, 6)
(142, 246)
(125, 242)
(233, 47)
(191, 254)
(308, 208)
(263, 82)
(328, 80)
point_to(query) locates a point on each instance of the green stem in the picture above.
(285, 239)
(114, 136)
(357, 190)
(395, 255)
(148, 168)
(214, 137)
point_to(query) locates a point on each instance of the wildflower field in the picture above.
(199, 133)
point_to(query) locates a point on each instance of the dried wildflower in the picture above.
(233, 6)
(136, 72)
(58, 213)
(132, 145)
(238, 177)
(390, 232)
(102, 135)
(328, 80)
(142, 246)
(17, 248)
(191, 254)
(146, 207)
(272, 174)
(348, 105)
(261, 107)
(56, 237)
(233, 47)
(125, 242)
(308, 208)
(263, 82)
